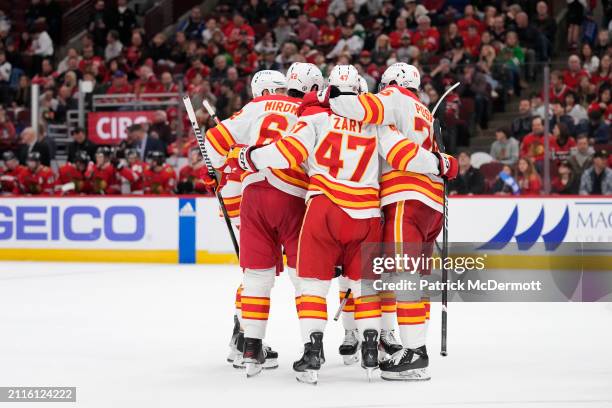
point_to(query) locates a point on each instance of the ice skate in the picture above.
(270, 363)
(350, 347)
(406, 365)
(307, 367)
(387, 345)
(233, 344)
(254, 356)
(369, 352)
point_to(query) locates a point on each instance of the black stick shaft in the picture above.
(211, 170)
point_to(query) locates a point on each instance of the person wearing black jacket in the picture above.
(469, 181)
(80, 142)
(30, 144)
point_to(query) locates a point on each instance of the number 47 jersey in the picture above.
(262, 121)
(344, 158)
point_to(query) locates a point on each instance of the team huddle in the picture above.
(309, 174)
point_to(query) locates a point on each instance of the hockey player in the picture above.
(388, 343)
(36, 179)
(102, 173)
(343, 213)
(131, 170)
(10, 173)
(193, 177)
(71, 176)
(272, 206)
(412, 203)
(158, 177)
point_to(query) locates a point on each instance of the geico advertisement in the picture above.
(89, 223)
(528, 220)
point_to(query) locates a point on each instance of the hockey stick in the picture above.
(444, 252)
(342, 304)
(211, 170)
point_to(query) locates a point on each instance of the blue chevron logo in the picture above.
(526, 239)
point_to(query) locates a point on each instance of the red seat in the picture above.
(490, 171)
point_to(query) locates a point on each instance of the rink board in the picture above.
(188, 229)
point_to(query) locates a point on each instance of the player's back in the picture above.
(344, 162)
(262, 121)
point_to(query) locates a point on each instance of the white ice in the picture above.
(156, 336)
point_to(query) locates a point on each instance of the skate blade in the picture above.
(231, 357)
(270, 364)
(252, 369)
(308, 377)
(370, 373)
(421, 374)
(351, 359)
(238, 362)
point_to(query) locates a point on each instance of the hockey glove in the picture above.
(239, 158)
(447, 165)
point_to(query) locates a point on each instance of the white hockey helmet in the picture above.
(363, 85)
(345, 78)
(404, 75)
(303, 76)
(268, 80)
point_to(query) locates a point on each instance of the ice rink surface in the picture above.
(131, 335)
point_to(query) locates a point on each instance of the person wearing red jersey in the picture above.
(102, 174)
(469, 20)
(558, 89)
(412, 203)
(71, 178)
(36, 179)
(574, 72)
(194, 177)
(272, 206)
(532, 145)
(343, 213)
(426, 37)
(10, 173)
(131, 170)
(159, 177)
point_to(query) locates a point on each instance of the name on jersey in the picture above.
(424, 112)
(280, 106)
(350, 125)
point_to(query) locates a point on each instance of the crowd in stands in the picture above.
(495, 48)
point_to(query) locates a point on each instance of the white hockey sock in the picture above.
(257, 285)
(312, 308)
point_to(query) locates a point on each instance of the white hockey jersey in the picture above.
(343, 158)
(398, 106)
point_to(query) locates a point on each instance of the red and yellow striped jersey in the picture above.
(400, 107)
(342, 157)
(262, 121)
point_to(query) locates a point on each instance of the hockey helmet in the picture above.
(304, 76)
(345, 78)
(267, 80)
(404, 75)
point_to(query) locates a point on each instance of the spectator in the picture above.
(193, 26)
(123, 19)
(575, 17)
(469, 180)
(505, 183)
(401, 30)
(581, 156)
(5, 77)
(143, 142)
(29, 144)
(599, 130)
(282, 30)
(469, 20)
(113, 45)
(512, 58)
(474, 85)
(531, 41)
(532, 146)
(98, 25)
(574, 110)
(558, 89)
(546, 25)
(426, 38)
(505, 149)
(563, 140)
(565, 182)
(574, 71)
(349, 43)
(590, 61)
(8, 135)
(79, 143)
(528, 178)
(307, 30)
(522, 125)
(161, 128)
(597, 179)
(560, 117)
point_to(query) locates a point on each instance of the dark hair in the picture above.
(563, 134)
(134, 128)
(294, 93)
(503, 130)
